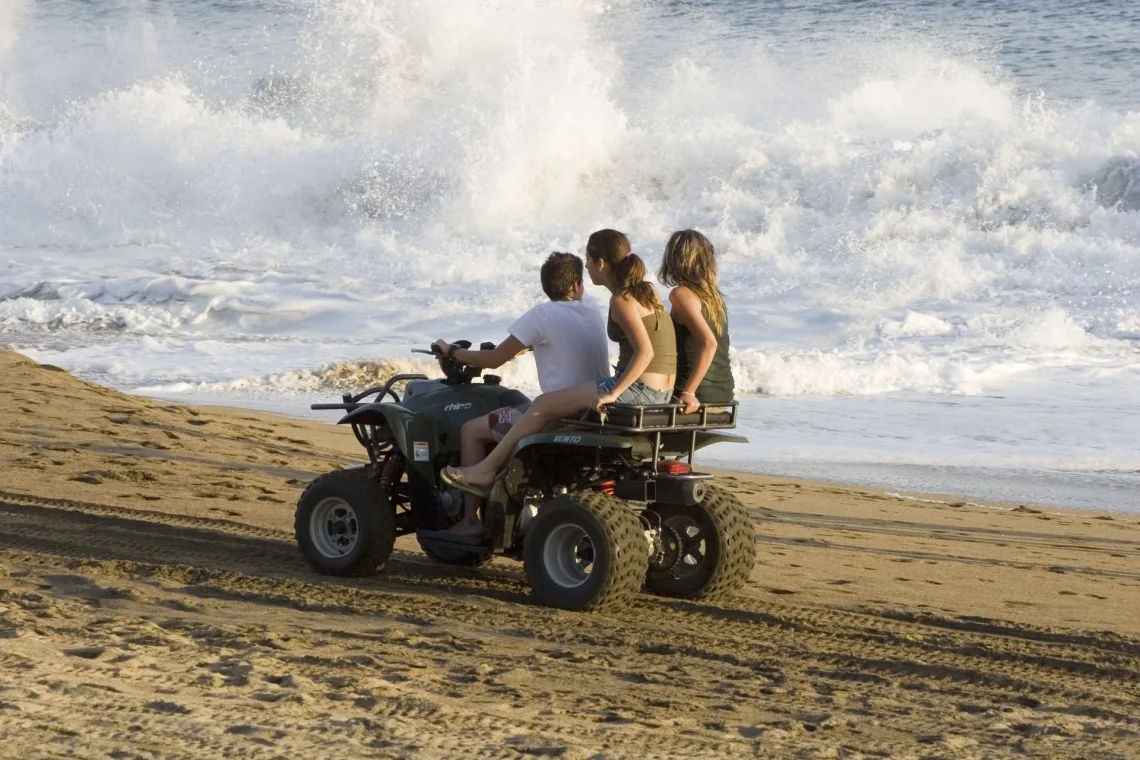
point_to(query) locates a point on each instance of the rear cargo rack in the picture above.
(658, 419)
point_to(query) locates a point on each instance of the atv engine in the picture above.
(451, 503)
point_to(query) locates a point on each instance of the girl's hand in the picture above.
(443, 346)
(689, 402)
(602, 401)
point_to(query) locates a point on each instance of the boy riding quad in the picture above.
(594, 508)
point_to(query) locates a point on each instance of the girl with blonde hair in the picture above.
(700, 319)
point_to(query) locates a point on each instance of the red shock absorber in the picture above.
(391, 471)
(606, 487)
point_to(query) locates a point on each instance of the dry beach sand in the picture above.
(153, 604)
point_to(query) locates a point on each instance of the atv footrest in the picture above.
(447, 540)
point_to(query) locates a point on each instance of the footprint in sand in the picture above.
(87, 653)
(93, 478)
(170, 708)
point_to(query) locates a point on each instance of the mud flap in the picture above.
(499, 519)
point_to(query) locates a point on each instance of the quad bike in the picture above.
(596, 508)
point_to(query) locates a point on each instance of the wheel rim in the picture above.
(333, 528)
(568, 555)
(685, 547)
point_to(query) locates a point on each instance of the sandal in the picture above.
(453, 476)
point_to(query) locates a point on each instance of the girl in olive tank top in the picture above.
(704, 375)
(647, 365)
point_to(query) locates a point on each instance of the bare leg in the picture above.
(545, 409)
(473, 439)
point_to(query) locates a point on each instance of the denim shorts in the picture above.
(639, 393)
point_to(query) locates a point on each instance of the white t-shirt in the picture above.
(569, 342)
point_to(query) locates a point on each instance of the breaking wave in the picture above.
(893, 212)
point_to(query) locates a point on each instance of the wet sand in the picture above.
(153, 604)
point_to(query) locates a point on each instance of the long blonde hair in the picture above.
(690, 260)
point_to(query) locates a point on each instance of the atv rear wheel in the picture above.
(585, 551)
(708, 549)
(345, 523)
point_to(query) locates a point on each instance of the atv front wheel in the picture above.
(345, 523)
(707, 549)
(585, 551)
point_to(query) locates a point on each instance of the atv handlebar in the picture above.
(350, 402)
(456, 372)
(484, 346)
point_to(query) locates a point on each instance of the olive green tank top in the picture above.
(661, 336)
(717, 384)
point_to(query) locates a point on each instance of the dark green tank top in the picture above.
(661, 336)
(717, 384)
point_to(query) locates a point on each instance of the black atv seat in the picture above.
(632, 418)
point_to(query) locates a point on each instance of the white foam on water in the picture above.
(286, 198)
(11, 15)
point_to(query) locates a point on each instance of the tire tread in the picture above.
(373, 555)
(627, 548)
(738, 546)
(736, 553)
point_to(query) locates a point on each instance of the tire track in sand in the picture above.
(720, 679)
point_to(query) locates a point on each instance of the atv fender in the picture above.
(576, 439)
(397, 418)
(678, 443)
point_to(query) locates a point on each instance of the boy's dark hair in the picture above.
(560, 274)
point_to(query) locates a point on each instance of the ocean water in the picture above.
(927, 213)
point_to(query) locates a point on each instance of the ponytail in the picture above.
(630, 275)
(613, 248)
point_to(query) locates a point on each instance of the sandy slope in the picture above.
(153, 604)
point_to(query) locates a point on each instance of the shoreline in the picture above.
(152, 598)
(879, 476)
(832, 439)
